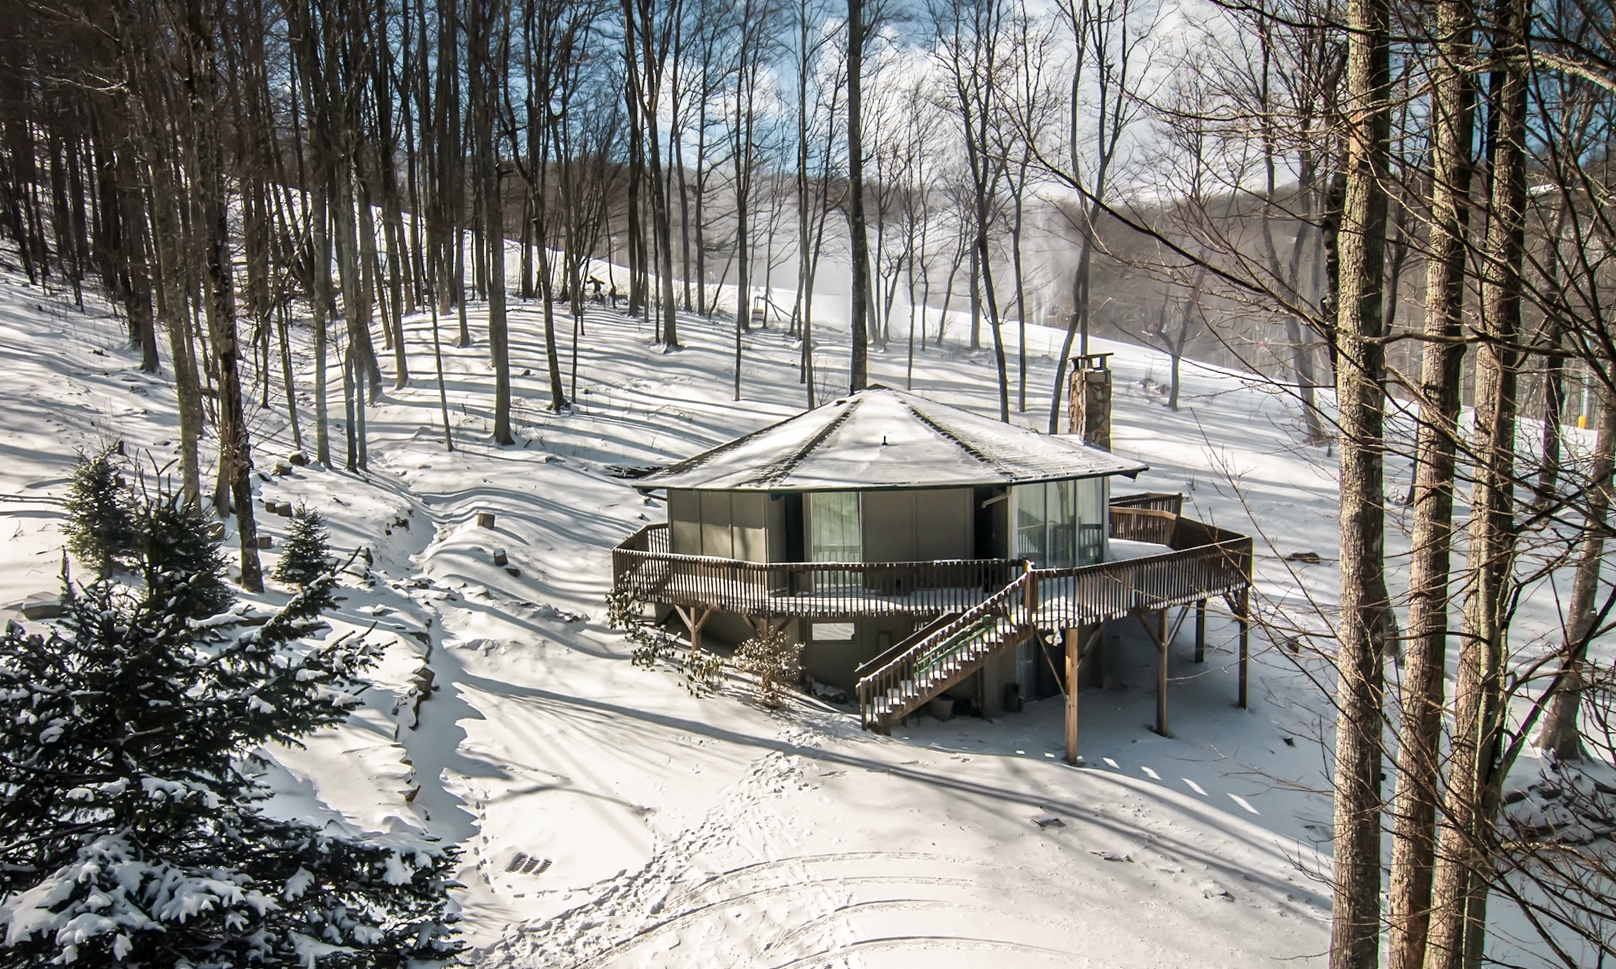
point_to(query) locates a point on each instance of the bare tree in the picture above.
(1109, 50)
(1361, 632)
(859, 309)
(1425, 660)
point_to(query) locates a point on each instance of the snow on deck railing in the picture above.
(809, 590)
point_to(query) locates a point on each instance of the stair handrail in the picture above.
(1012, 602)
(902, 646)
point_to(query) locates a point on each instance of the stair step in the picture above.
(904, 698)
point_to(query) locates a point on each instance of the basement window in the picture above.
(832, 632)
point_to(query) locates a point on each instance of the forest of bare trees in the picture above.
(1395, 213)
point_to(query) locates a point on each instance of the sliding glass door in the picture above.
(1060, 524)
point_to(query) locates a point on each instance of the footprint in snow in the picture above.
(1244, 803)
(1151, 774)
(1194, 786)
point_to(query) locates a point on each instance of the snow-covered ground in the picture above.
(675, 830)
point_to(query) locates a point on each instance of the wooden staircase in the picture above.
(943, 654)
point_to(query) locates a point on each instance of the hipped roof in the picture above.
(884, 438)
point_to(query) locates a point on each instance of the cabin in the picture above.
(920, 551)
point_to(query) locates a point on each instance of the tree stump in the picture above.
(485, 519)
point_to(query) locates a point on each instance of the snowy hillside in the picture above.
(609, 818)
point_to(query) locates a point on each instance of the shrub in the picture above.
(651, 644)
(774, 660)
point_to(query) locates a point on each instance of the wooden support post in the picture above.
(1161, 673)
(695, 631)
(1244, 648)
(1094, 656)
(694, 619)
(1030, 595)
(1200, 630)
(1071, 695)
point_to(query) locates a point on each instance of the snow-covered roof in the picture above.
(884, 438)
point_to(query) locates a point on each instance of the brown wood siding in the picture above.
(921, 525)
(716, 539)
(684, 522)
(943, 524)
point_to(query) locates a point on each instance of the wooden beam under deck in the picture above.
(695, 617)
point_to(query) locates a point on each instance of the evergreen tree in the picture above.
(308, 547)
(179, 558)
(99, 525)
(129, 821)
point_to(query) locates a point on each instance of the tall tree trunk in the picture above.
(321, 305)
(350, 423)
(1425, 663)
(859, 306)
(799, 320)
(742, 153)
(976, 296)
(1561, 737)
(288, 387)
(1554, 400)
(355, 313)
(993, 316)
(1458, 915)
(1175, 348)
(486, 67)
(1021, 295)
(661, 220)
(393, 229)
(235, 453)
(703, 307)
(168, 245)
(137, 293)
(1360, 628)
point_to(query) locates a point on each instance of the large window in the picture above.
(1046, 519)
(1092, 526)
(1060, 524)
(835, 527)
(1032, 532)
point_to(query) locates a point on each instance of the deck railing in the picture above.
(1206, 561)
(809, 590)
(1109, 590)
(1143, 525)
(1171, 503)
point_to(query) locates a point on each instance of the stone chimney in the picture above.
(1088, 412)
